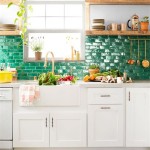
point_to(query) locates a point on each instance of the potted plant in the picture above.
(94, 68)
(144, 23)
(37, 46)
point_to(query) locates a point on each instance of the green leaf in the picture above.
(11, 3)
(16, 19)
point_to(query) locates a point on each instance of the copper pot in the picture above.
(145, 62)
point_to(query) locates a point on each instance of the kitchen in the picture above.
(85, 101)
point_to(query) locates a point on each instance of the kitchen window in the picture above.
(59, 24)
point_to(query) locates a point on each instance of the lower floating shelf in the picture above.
(15, 32)
(106, 32)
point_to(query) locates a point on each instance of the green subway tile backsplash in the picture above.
(110, 52)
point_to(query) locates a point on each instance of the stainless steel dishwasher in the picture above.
(6, 118)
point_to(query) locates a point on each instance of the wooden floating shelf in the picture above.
(105, 32)
(16, 32)
(6, 2)
(119, 2)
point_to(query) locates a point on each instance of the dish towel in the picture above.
(28, 94)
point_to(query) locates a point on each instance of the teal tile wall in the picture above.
(113, 52)
(110, 52)
(11, 52)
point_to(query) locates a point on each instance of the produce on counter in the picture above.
(70, 78)
(105, 77)
(51, 79)
(48, 79)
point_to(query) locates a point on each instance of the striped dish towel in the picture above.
(28, 94)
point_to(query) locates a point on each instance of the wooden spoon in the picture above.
(138, 61)
(145, 62)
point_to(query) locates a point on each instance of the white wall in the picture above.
(118, 13)
(7, 15)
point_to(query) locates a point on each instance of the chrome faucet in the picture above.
(46, 60)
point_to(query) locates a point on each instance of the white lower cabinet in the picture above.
(30, 130)
(105, 126)
(138, 117)
(49, 130)
(68, 130)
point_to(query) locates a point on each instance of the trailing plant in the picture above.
(21, 18)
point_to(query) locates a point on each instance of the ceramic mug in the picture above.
(119, 80)
(123, 26)
(114, 27)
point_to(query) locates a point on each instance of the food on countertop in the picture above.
(70, 78)
(51, 79)
(86, 78)
(104, 77)
(48, 79)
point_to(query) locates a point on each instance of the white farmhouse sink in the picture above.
(60, 95)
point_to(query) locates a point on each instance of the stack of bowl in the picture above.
(98, 24)
(7, 27)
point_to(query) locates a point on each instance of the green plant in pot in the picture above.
(144, 23)
(37, 46)
(93, 69)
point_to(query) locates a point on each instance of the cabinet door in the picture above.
(67, 129)
(105, 126)
(31, 130)
(137, 117)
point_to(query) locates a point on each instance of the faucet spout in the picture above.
(46, 60)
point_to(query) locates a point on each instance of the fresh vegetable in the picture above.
(48, 79)
(68, 78)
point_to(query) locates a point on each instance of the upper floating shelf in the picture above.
(105, 32)
(119, 2)
(5, 2)
(16, 32)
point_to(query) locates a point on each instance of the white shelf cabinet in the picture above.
(137, 117)
(65, 130)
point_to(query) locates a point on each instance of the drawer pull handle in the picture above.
(46, 122)
(105, 96)
(105, 108)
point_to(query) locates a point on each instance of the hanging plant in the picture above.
(21, 19)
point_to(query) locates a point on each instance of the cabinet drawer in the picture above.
(5, 93)
(105, 95)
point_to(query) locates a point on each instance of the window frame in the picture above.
(81, 31)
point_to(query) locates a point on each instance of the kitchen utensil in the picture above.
(145, 62)
(131, 61)
(138, 61)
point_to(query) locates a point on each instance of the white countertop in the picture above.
(137, 83)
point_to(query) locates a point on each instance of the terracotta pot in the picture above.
(93, 71)
(144, 26)
(38, 55)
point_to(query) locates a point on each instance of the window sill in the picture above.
(42, 60)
